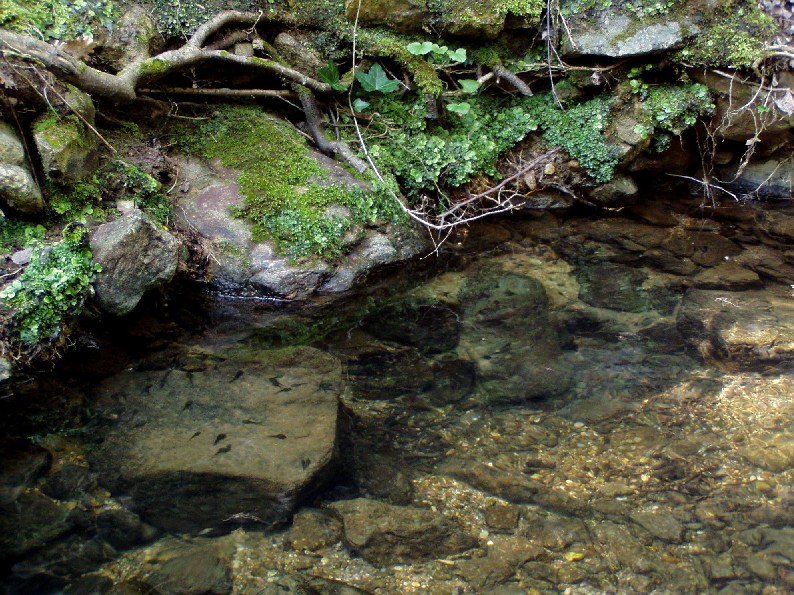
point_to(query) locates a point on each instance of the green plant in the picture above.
(376, 80)
(438, 54)
(52, 289)
(57, 19)
(579, 130)
(19, 234)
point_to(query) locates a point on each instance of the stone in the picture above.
(778, 225)
(384, 534)
(69, 482)
(510, 485)
(241, 441)
(403, 15)
(661, 524)
(123, 529)
(131, 38)
(23, 463)
(621, 190)
(556, 532)
(748, 330)
(199, 567)
(136, 255)
(31, 521)
(313, 530)
(728, 276)
(501, 517)
(6, 369)
(240, 266)
(482, 19)
(12, 151)
(68, 151)
(429, 327)
(19, 190)
(504, 556)
(765, 178)
(502, 308)
(618, 35)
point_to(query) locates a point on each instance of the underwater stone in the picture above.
(384, 534)
(241, 441)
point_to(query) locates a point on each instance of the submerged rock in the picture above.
(136, 255)
(747, 330)
(241, 441)
(509, 337)
(384, 534)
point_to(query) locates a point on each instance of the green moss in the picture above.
(735, 36)
(286, 192)
(59, 131)
(57, 19)
(523, 8)
(51, 290)
(674, 108)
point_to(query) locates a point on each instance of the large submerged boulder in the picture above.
(242, 440)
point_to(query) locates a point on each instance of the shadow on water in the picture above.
(561, 404)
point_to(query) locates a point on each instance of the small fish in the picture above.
(219, 438)
(279, 436)
(223, 449)
(237, 376)
(274, 381)
(252, 421)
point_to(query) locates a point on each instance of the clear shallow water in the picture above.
(559, 405)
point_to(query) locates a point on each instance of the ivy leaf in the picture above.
(377, 80)
(461, 108)
(459, 55)
(329, 74)
(360, 105)
(420, 48)
(469, 85)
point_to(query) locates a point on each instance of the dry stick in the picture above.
(512, 78)
(222, 92)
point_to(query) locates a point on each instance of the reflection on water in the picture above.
(579, 406)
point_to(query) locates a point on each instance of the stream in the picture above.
(553, 403)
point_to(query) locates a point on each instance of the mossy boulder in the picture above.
(403, 15)
(68, 151)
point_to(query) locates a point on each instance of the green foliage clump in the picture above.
(82, 201)
(52, 288)
(19, 234)
(522, 8)
(579, 130)
(674, 108)
(287, 193)
(57, 19)
(424, 154)
(179, 19)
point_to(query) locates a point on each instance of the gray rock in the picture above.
(69, 152)
(620, 35)
(500, 563)
(619, 191)
(12, 151)
(136, 255)
(239, 266)
(22, 464)
(404, 15)
(240, 441)
(765, 178)
(19, 190)
(6, 369)
(384, 534)
(510, 485)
